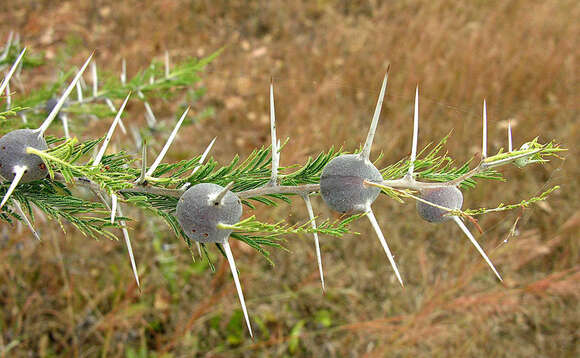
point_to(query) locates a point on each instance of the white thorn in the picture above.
(141, 178)
(510, 145)
(484, 141)
(26, 220)
(474, 242)
(218, 198)
(167, 144)
(149, 115)
(201, 160)
(234, 270)
(18, 173)
(166, 64)
(113, 207)
(415, 133)
(110, 105)
(199, 248)
(64, 120)
(316, 243)
(366, 152)
(7, 46)
(79, 92)
(8, 96)
(11, 72)
(83, 83)
(123, 72)
(95, 78)
(112, 108)
(24, 118)
(377, 228)
(275, 154)
(63, 98)
(203, 156)
(129, 248)
(110, 133)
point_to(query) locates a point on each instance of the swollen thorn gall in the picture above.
(199, 217)
(451, 198)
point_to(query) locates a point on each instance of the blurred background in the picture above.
(72, 296)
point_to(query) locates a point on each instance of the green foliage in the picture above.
(70, 165)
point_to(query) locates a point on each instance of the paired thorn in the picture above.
(234, 270)
(113, 207)
(26, 220)
(316, 242)
(415, 134)
(7, 46)
(199, 249)
(377, 228)
(123, 229)
(203, 156)
(129, 247)
(12, 69)
(141, 178)
(166, 64)
(109, 135)
(79, 92)
(366, 152)
(275, 143)
(64, 120)
(217, 200)
(484, 140)
(112, 108)
(63, 98)
(510, 144)
(167, 144)
(149, 115)
(8, 96)
(18, 173)
(95, 78)
(474, 242)
(123, 71)
(200, 162)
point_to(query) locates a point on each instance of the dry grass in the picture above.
(68, 296)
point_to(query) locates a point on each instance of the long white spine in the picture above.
(474, 242)
(18, 173)
(11, 72)
(275, 153)
(366, 152)
(167, 144)
(234, 270)
(316, 242)
(63, 98)
(484, 139)
(377, 228)
(415, 134)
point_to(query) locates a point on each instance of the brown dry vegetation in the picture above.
(70, 296)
